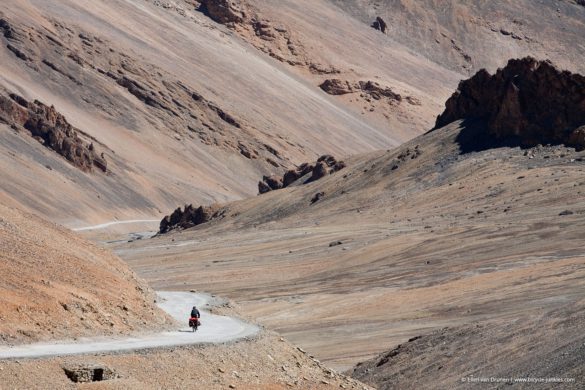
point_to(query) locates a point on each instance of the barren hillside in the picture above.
(181, 107)
(56, 285)
(469, 35)
(441, 231)
(218, 101)
(419, 225)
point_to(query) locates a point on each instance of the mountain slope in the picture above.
(397, 244)
(56, 285)
(469, 35)
(161, 91)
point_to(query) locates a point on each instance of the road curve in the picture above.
(214, 329)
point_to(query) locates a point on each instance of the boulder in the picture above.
(227, 12)
(89, 373)
(336, 87)
(380, 25)
(269, 183)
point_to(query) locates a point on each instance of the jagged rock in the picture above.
(324, 166)
(264, 30)
(269, 183)
(8, 32)
(190, 216)
(319, 171)
(223, 11)
(51, 129)
(294, 174)
(317, 197)
(89, 373)
(379, 24)
(371, 88)
(336, 87)
(526, 103)
(377, 92)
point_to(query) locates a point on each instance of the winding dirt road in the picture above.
(214, 329)
(112, 223)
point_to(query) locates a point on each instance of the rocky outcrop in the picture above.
(337, 87)
(368, 89)
(272, 37)
(50, 128)
(89, 373)
(73, 58)
(380, 25)
(378, 92)
(190, 216)
(526, 103)
(305, 173)
(223, 11)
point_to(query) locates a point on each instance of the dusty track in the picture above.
(215, 329)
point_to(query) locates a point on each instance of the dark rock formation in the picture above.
(526, 103)
(293, 175)
(380, 25)
(324, 166)
(6, 28)
(378, 92)
(190, 216)
(317, 197)
(223, 11)
(336, 87)
(50, 128)
(89, 373)
(369, 88)
(269, 183)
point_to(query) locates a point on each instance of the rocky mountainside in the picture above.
(166, 93)
(150, 113)
(51, 129)
(418, 238)
(56, 285)
(469, 35)
(428, 256)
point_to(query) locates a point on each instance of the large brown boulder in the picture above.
(336, 87)
(528, 102)
(224, 11)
